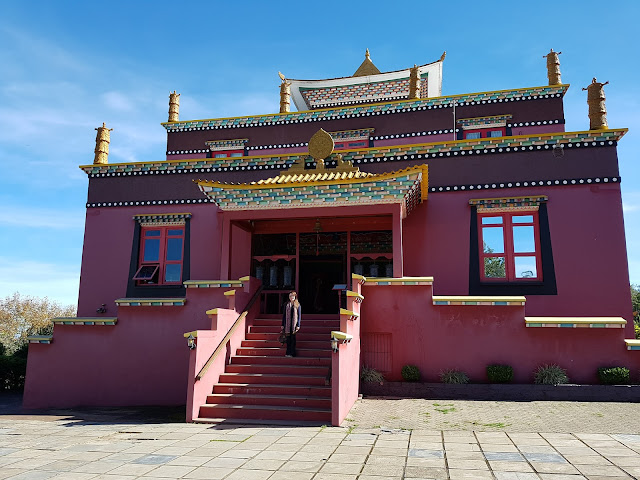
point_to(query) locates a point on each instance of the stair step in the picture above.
(299, 344)
(279, 369)
(271, 360)
(265, 412)
(276, 352)
(330, 323)
(266, 378)
(277, 328)
(312, 337)
(273, 400)
(273, 389)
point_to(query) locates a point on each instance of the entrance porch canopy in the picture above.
(320, 194)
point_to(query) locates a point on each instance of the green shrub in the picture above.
(636, 329)
(499, 373)
(614, 375)
(410, 373)
(370, 375)
(550, 375)
(454, 376)
(12, 372)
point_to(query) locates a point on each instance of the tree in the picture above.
(494, 267)
(21, 316)
(635, 302)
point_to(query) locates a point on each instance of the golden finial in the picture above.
(320, 147)
(103, 138)
(367, 54)
(597, 108)
(174, 106)
(367, 67)
(285, 94)
(414, 82)
(444, 54)
(553, 67)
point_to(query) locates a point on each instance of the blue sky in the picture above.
(66, 67)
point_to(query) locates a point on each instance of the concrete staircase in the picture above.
(261, 384)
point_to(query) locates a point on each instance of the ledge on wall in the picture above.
(150, 302)
(84, 320)
(576, 322)
(513, 301)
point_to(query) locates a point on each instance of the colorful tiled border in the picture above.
(232, 144)
(482, 122)
(40, 339)
(161, 218)
(450, 148)
(632, 344)
(212, 283)
(508, 203)
(406, 281)
(530, 93)
(85, 320)
(533, 183)
(470, 300)
(576, 322)
(150, 302)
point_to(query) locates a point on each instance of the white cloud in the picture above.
(118, 101)
(21, 216)
(58, 282)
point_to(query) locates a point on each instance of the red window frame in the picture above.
(227, 153)
(146, 274)
(509, 255)
(484, 132)
(343, 145)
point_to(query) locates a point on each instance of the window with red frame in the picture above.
(161, 254)
(509, 247)
(485, 133)
(227, 153)
(345, 145)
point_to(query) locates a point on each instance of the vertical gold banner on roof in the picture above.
(597, 108)
(285, 94)
(174, 106)
(414, 83)
(103, 138)
(553, 67)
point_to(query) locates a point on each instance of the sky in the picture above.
(66, 67)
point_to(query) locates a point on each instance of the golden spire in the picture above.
(367, 67)
(414, 83)
(285, 94)
(597, 108)
(174, 106)
(553, 67)
(103, 138)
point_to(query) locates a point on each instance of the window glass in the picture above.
(491, 220)
(526, 267)
(236, 154)
(152, 233)
(495, 133)
(172, 272)
(357, 144)
(174, 249)
(522, 219)
(220, 155)
(493, 239)
(473, 135)
(175, 232)
(151, 250)
(523, 239)
(494, 267)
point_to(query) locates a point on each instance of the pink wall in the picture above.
(108, 241)
(142, 360)
(587, 236)
(469, 338)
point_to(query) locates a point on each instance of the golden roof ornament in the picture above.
(597, 108)
(442, 57)
(285, 94)
(174, 106)
(103, 138)
(320, 147)
(414, 82)
(367, 67)
(553, 67)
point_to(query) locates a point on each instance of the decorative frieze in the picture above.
(575, 322)
(150, 302)
(510, 203)
(463, 300)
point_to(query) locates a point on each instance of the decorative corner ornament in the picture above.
(597, 109)
(285, 94)
(414, 83)
(174, 106)
(103, 138)
(553, 67)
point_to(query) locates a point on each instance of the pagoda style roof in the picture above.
(367, 85)
(322, 188)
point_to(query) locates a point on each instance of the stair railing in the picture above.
(226, 338)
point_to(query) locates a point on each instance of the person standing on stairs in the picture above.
(291, 314)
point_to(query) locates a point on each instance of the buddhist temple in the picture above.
(444, 232)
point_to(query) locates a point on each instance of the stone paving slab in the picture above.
(116, 445)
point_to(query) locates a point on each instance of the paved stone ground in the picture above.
(155, 444)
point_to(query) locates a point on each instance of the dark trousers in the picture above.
(291, 345)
